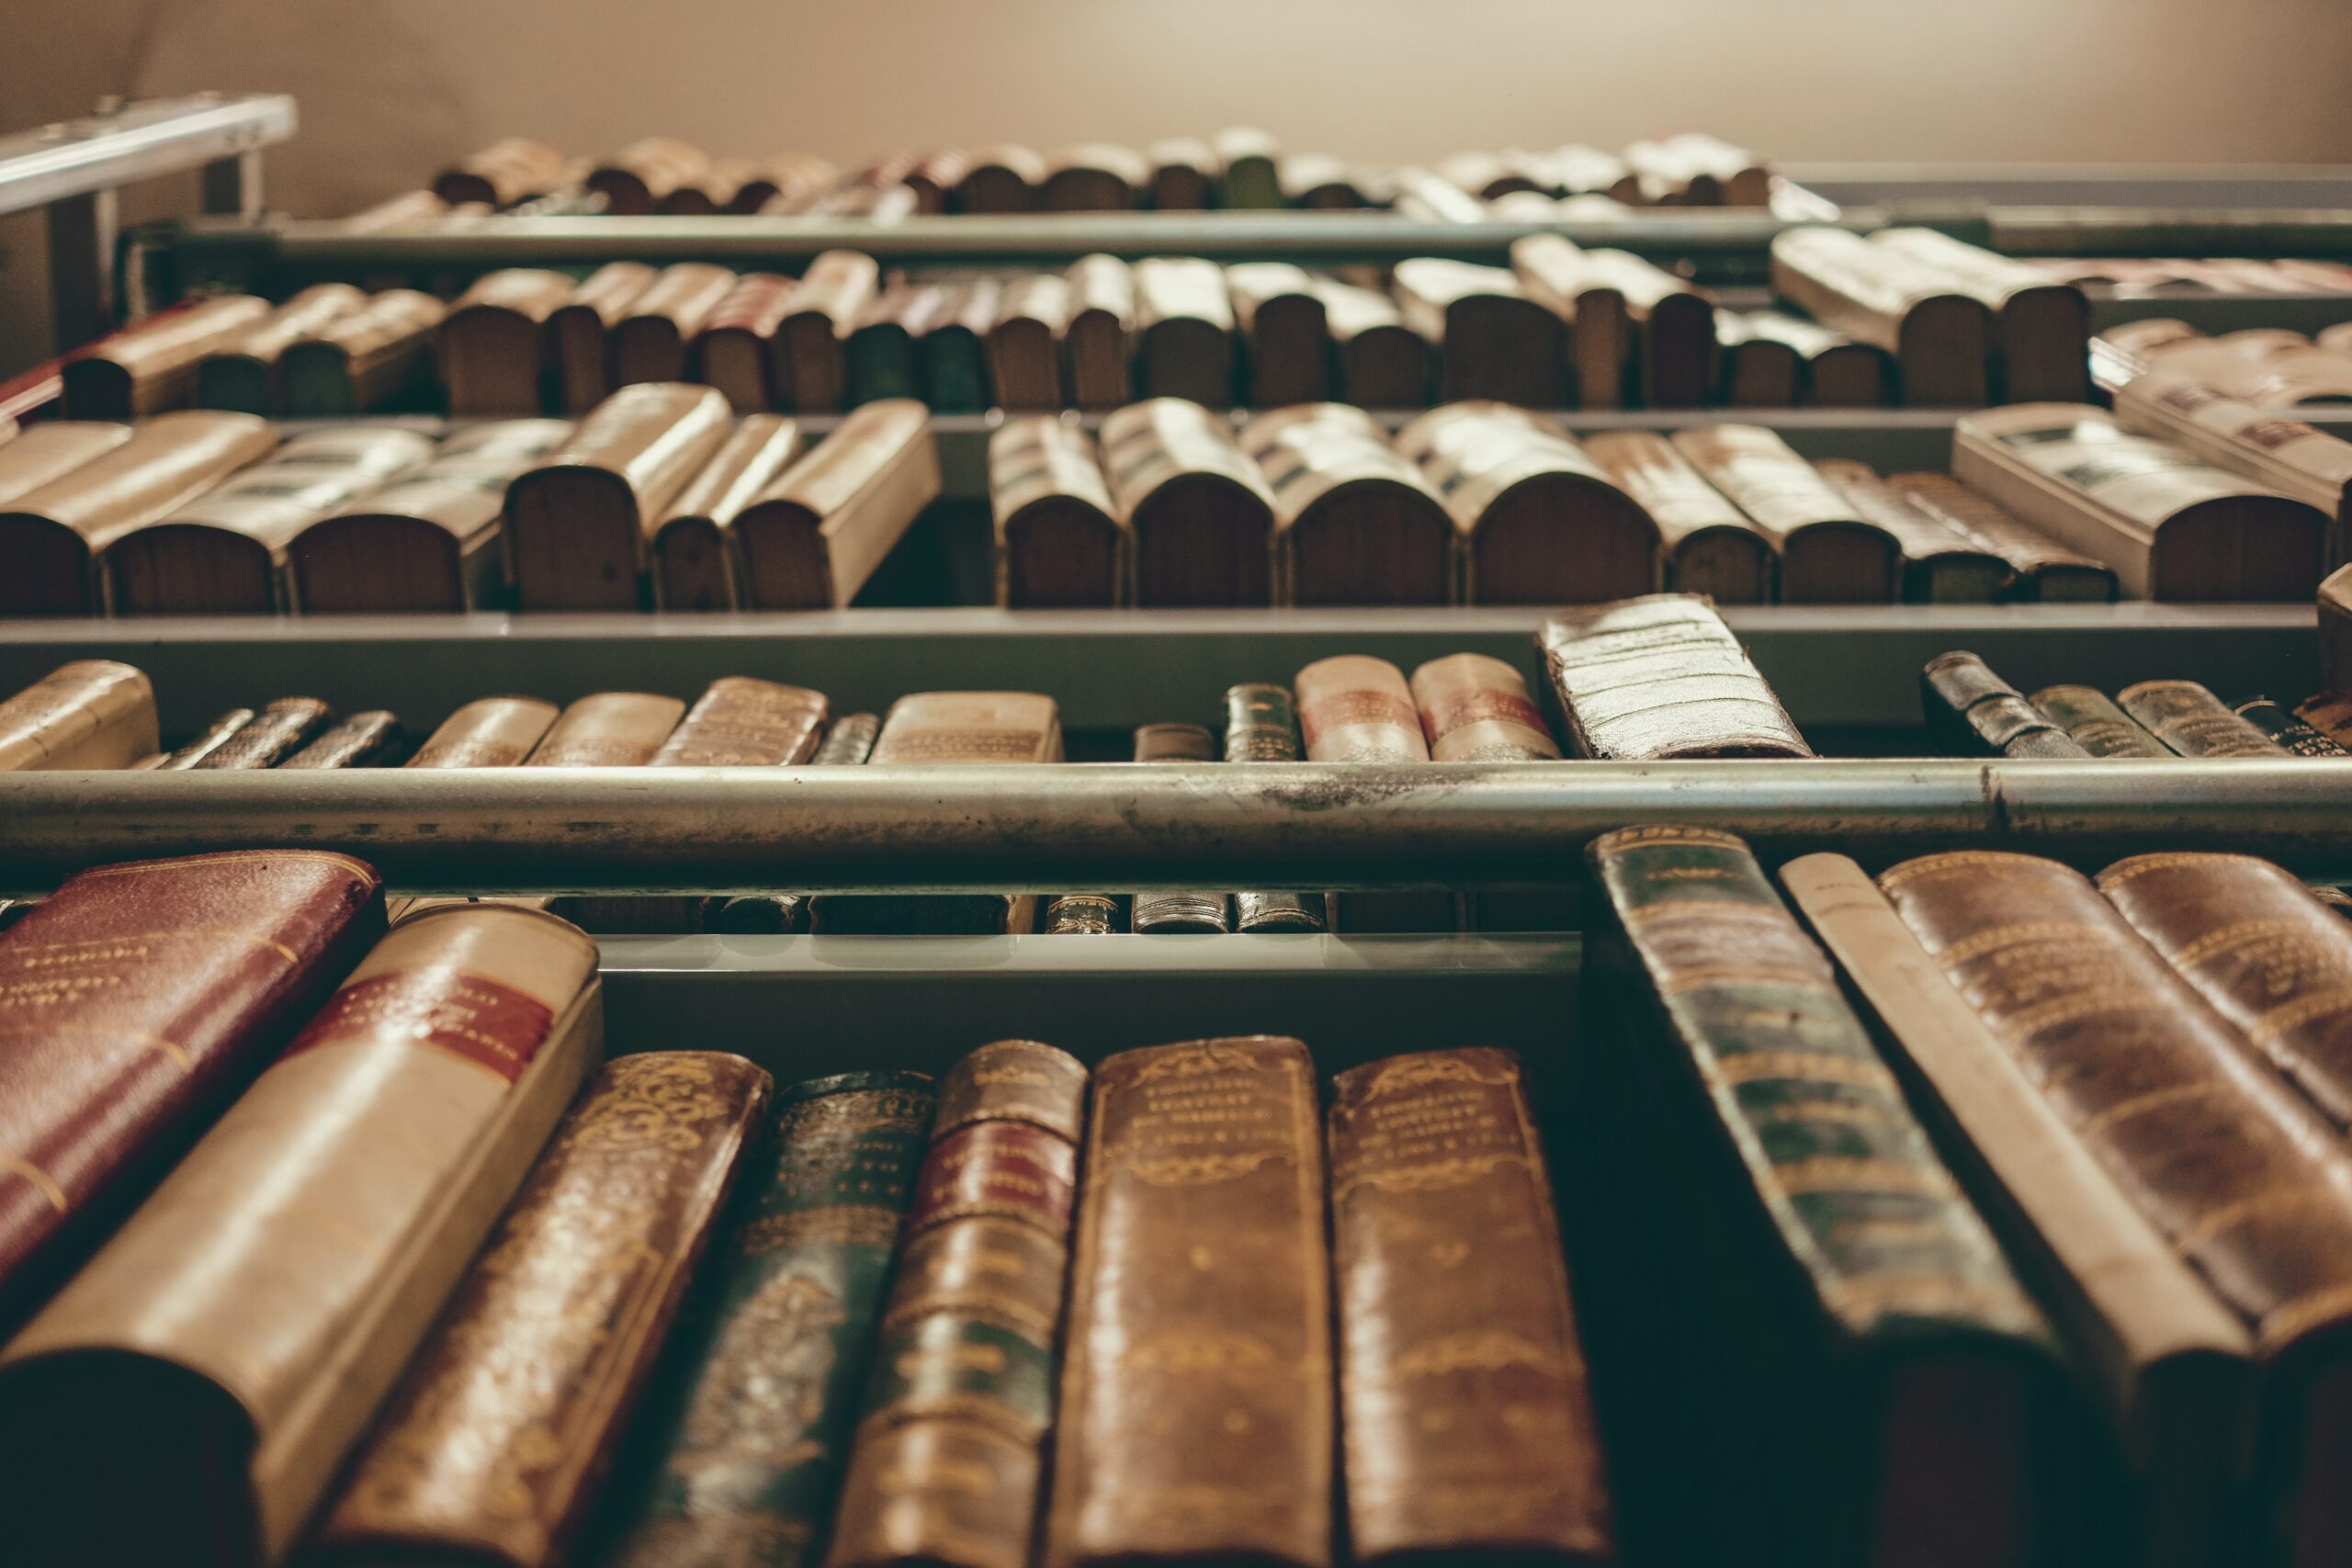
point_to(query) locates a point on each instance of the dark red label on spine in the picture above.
(998, 1168)
(1341, 709)
(489, 1024)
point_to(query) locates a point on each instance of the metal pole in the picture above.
(1046, 828)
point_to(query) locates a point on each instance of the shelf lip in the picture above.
(141, 141)
(1015, 959)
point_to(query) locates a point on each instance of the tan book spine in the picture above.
(1183, 329)
(1940, 563)
(580, 333)
(2040, 567)
(1940, 338)
(152, 366)
(734, 348)
(1494, 339)
(1657, 678)
(808, 360)
(490, 732)
(690, 540)
(814, 536)
(1287, 326)
(649, 341)
(1711, 546)
(92, 713)
(1603, 342)
(1354, 709)
(1383, 363)
(1190, 910)
(610, 729)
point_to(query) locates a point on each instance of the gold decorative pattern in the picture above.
(1481, 1350)
(842, 1224)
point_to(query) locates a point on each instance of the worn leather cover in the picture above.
(637, 179)
(152, 366)
(2193, 721)
(210, 738)
(1195, 503)
(2041, 567)
(1355, 522)
(1356, 709)
(731, 350)
(511, 169)
(1971, 710)
(1494, 339)
(2095, 724)
(1059, 539)
(362, 361)
(1081, 914)
(609, 729)
(493, 1447)
(1601, 345)
(489, 732)
(1192, 910)
(964, 1375)
(1475, 709)
(743, 722)
(806, 358)
(750, 1461)
(1262, 726)
(1710, 545)
(1195, 1405)
(492, 344)
(242, 373)
(1025, 343)
(31, 459)
(283, 727)
(1941, 337)
(692, 539)
(1183, 328)
(1657, 678)
(1829, 552)
(1466, 1420)
(1939, 562)
(2289, 732)
(815, 536)
(650, 342)
(849, 741)
(91, 713)
(367, 740)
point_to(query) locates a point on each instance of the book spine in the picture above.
(963, 1379)
(1967, 703)
(491, 732)
(2289, 732)
(2095, 724)
(282, 728)
(1466, 1422)
(2193, 721)
(849, 741)
(1081, 914)
(1261, 727)
(2330, 713)
(748, 1467)
(214, 736)
(1353, 709)
(92, 713)
(1159, 913)
(845, 744)
(368, 740)
(1200, 1293)
(1475, 709)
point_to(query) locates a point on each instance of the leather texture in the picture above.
(743, 722)
(489, 732)
(1975, 710)
(2036, 559)
(1475, 709)
(168, 461)
(849, 741)
(92, 713)
(2287, 731)
(284, 727)
(368, 740)
(1262, 726)
(1659, 678)
(31, 459)
(2193, 721)
(1044, 479)
(859, 490)
(2094, 723)
(609, 730)
(1678, 498)
(1184, 911)
(1356, 709)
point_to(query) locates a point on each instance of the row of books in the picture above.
(2141, 277)
(2268, 368)
(1969, 707)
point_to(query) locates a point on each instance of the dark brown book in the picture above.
(492, 346)
(1674, 325)
(511, 169)
(1971, 710)
(1001, 179)
(1285, 331)
(1194, 505)
(808, 356)
(1025, 343)
(1097, 177)
(580, 333)
(2040, 325)
(242, 373)
(2193, 721)
(1183, 175)
(1183, 331)
(2041, 569)
(2291, 732)
(1657, 679)
(370, 739)
(378, 357)
(152, 364)
(1493, 340)
(1380, 361)
(1829, 554)
(1941, 336)
(735, 348)
(1162, 913)
(635, 180)
(2095, 724)
(1059, 543)
(1356, 709)
(1941, 565)
(1834, 371)
(1262, 726)
(1756, 370)
(1709, 546)
(814, 536)
(692, 537)
(932, 174)
(1603, 343)
(1098, 334)
(1355, 523)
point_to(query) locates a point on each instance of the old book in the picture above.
(152, 366)
(846, 743)
(1429, 196)
(849, 741)
(1003, 179)
(1833, 370)
(231, 1320)
(882, 354)
(691, 538)
(932, 173)
(1659, 678)
(283, 727)
(491, 346)
(2171, 1367)
(53, 535)
(2287, 455)
(635, 180)
(810, 356)
(1379, 361)
(370, 739)
(1941, 334)
(2289, 732)
(1319, 183)
(578, 523)
(1756, 370)
(378, 355)
(1099, 176)
(728, 185)
(226, 552)
(963, 1382)
(1738, 177)
(952, 341)
(1828, 554)
(208, 739)
(1971, 710)
(1194, 505)
(1941, 565)
(2145, 1072)
(1025, 343)
(1355, 709)
(651, 337)
(1060, 542)
(1081, 914)
(1603, 341)
(580, 334)
(607, 729)
(489, 732)
(1493, 340)
(2193, 721)
(1200, 1225)
(1098, 334)
(751, 1455)
(1709, 546)
(734, 349)
(1249, 175)
(1262, 726)
(431, 540)
(2041, 326)
(2041, 569)
(1475, 709)
(1542, 522)
(1161, 913)
(2095, 724)
(2172, 527)
(511, 169)
(813, 537)
(1183, 175)
(1285, 330)
(493, 1447)
(46, 451)
(1355, 523)
(1579, 170)
(91, 713)
(1674, 325)
(1452, 1452)
(1183, 331)
(242, 373)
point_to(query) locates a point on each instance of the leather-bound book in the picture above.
(577, 523)
(952, 345)
(511, 169)
(1603, 342)
(1153, 914)
(1200, 1293)
(1286, 333)
(849, 741)
(2289, 732)
(2193, 721)
(1355, 523)
(1355, 709)
(241, 374)
(649, 340)
(609, 729)
(734, 349)
(494, 1447)
(1828, 554)
(1834, 371)
(2041, 326)
(1709, 546)
(152, 366)
(2250, 1184)
(207, 740)
(1248, 168)
(580, 334)
(1494, 339)
(726, 185)
(691, 538)
(489, 732)
(92, 713)
(1081, 914)
(52, 535)
(226, 552)
(751, 1454)
(2095, 724)
(965, 728)
(46, 452)
(1542, 522)
(492, 346)
(1183, 331)
(1098, 334)
(1675, 361)
(814, 536)
(845, 745)
(1378, 359)
(1579, 170)
(1059, 543)
(283, 727)
(2041, 569)
(1658, 679)
(1183, 175)
(964, 1377)
(1262, 726)
(635, 180)
(932, 174)
(1095, 177)
(1025, 343)
(1450, 1453)
(367, 740)
(379, 355)
(1971, 710)
(2290, 457)
(2170, 1365)
(1756, 370)
(809, 355)
(232, 1319)
(1476, 709)
(1940, 335)
(431, 540)
(1941, 565)
(1002, 179)
(1742, 178)
(880, 346)
(1193, 502)
(229, 954)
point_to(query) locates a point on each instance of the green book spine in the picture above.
(956, 371)
(882, 364)
(2097, 725)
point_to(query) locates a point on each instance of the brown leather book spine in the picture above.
(743, 722)
(1466, 1423)
(2095, 724)
(1200, 1293)
(209, 739)
(2289, 732)
(1975, 710)
(610, 729)
(92, 713)
(2193, 721)
(1081, 914)
(1161, 913)
(1354, 709)
(367, 739)
(282, 728)
(1262, 726)
(490, 732)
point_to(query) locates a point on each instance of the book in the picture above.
(1059, 539)
(1195, 507)
(813, 537)
(951, 337)
(1318, 182)
(2292, 734)
(750, 1456)
(1476, 709)
(1025, 343)
(1099, 176)
(379, 355)
(1162, 913)
(1004, 178)
(1200, 1291)
(1379, 360)
(490, 347)
(963, 1376)
(1828, 553)
(2041, 569)
(283, 727)
(1940, 564)
(430, 540)
(1098, 333)
(1352, 708)
(1971, 710)
(1493, 340)
(231, 1320)
(1756, 370)
(370, 739)
(1465, 1419)
(728, 185)
(90, 713)
(691, 538)
(1709, 546)
(932, 174)
(1656, 679)
(635, 180)
(151, 365)
(1183, 331)
(1355, 523)
(1603, 342)
(1832, 370)
(1735, 175)
(1427, 196)
(849, 741)
(580, 334)
(2094, 723)
(2286, 455)
(1940, 335)
(511, 169)
(489, 732)
(210, 738)
(1262, 726)
(1542, 522)
(2173, 527)
(880, 344)
(1285, 330)
(577, 523)
(607, 729)
(1674, 325)
(1081, 914)
(741, 722)
(227, 551)
(1248, 168)
(45, 453)
(734, 349)
(1183, 175)
(242, 373)
(809, 355)
(1579, 170)
(2193, 721)
(2041, 326)
(494, 1446)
